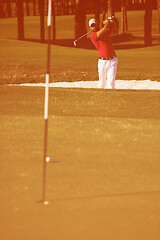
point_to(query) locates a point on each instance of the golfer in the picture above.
(107, 63)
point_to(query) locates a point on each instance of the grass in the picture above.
(103, 178)
(104, 169)
(25, 61)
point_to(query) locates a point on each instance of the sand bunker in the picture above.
(120, 84)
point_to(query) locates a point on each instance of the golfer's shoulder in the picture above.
(93, 36)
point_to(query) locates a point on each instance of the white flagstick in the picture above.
(46, 103)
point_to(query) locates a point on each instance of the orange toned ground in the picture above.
(103, 179)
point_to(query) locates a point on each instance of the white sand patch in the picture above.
(120, 84)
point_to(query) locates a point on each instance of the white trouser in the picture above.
(107, 73)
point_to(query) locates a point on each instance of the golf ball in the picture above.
(47, 159)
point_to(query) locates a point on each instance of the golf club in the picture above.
(75, 41)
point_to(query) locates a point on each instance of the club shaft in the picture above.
(83, 35)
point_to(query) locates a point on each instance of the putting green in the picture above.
(103, 177)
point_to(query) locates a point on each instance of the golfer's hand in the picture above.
(106, 22)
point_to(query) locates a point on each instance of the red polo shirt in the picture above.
(103, 45)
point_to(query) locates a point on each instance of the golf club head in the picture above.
(75, 44)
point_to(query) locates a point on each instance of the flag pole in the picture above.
(45, 158)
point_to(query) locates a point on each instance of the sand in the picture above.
(120, 84)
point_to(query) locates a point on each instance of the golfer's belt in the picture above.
(107, 58)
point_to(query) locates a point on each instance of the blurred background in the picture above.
(80, 9)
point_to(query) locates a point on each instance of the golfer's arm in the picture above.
(102, 31)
